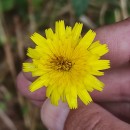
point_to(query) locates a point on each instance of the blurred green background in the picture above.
(18, 20)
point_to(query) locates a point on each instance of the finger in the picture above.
(53, 117)
(93, 117)
(28, 76)
(22, 85)
(117, 86)
(118, 40)
(119, 109)
(37, 102)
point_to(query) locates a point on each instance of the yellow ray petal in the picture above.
(71, 96)
(94, 44)
(38, 39)
(68, 31)
(44, 51)
(87, 40)
(100, 64)
(95, 72)
(49, 90)
(84, 96)
(27, 67)
(37, 72)
(93, 82)
(33, 53)
(55, 97)
(49, 33)
(98, 49)
(76, 32)
(37, 84)
(60, 28)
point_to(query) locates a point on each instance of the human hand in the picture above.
(110, 105)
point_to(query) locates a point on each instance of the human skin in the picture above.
(111, 107)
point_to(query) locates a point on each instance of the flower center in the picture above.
(60, 63)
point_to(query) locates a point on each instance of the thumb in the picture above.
(53, 117)
(93, 117)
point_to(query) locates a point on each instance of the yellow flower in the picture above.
(66, 64)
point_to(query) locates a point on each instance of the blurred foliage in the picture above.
(3, 106)
(128, 6)
(6, 98)
(21, 8)
(114, 2)
(7, 5)
(80, 6)
(109, 17)
(37, 4)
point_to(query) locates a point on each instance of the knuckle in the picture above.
(80, 119)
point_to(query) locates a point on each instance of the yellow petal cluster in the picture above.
(66, 64)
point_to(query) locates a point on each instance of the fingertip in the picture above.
(23, 84)
(29, 76)
(53, 117)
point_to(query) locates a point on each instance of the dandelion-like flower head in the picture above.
(66, 64)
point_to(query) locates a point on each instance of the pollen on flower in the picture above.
(60, 63)
(67, 64)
